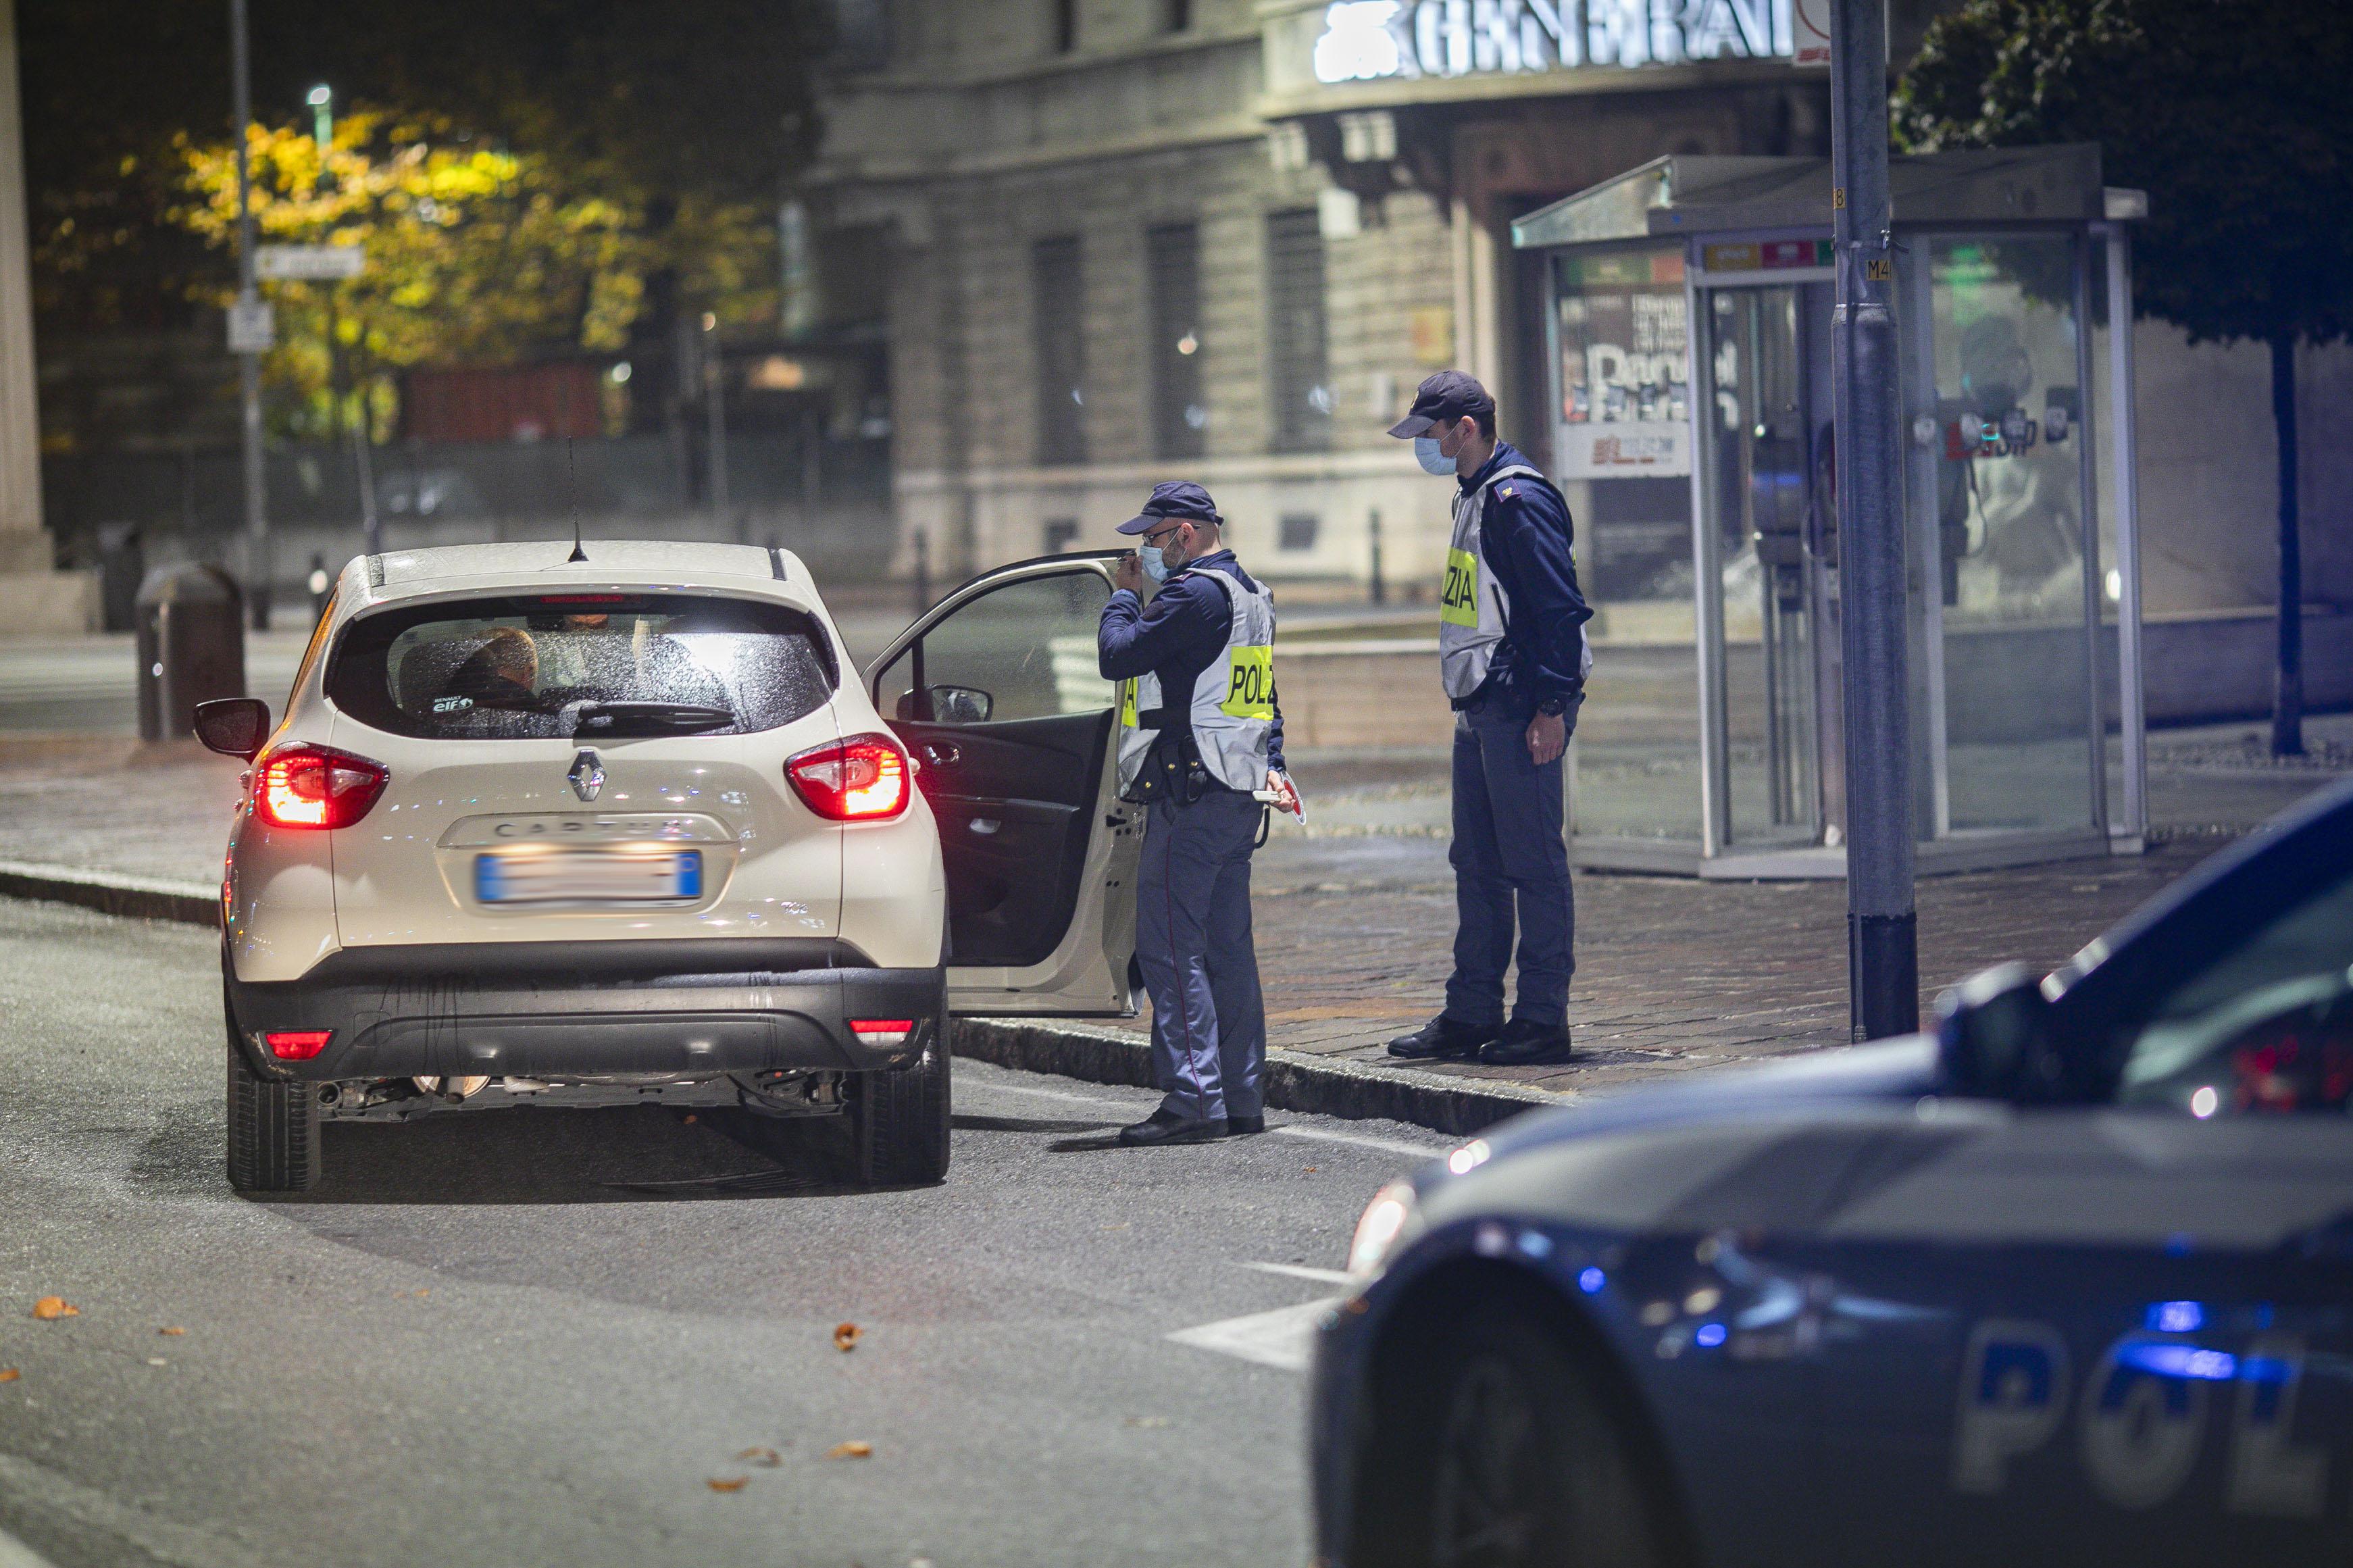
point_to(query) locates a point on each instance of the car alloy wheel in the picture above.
(1488, 1494)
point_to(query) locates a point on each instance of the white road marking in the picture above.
(1387, 1146)
(15, 1554)
(1282, 1338)
(1300, 1271)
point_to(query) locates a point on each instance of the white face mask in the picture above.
(1428, 453)
(1155, 563)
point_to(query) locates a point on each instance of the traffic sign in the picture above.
(252, 329)
(307, 263)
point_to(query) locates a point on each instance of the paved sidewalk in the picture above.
(1355, 917)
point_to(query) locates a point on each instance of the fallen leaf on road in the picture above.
(690, 1118)
(50, 1308)
(157, 1361)
(1310, 1170)
(9, 1374)
(846, 1336)
(173, 1332)
(726, 1483)
(427, 1291)
(853, 1449)
(767, 1459)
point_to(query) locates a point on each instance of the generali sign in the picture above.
(1366, 40)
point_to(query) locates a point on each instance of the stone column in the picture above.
(34, 598)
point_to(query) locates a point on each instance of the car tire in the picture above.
(273, 1128)
(1504, 1455)
(900, 1117)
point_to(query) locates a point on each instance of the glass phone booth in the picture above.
(1687, 317)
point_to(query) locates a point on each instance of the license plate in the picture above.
(589, 876)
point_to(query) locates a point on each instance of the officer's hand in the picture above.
(1547, 737)
(1129, 572)
(1286, 796)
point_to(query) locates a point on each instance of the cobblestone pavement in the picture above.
(1355, 919)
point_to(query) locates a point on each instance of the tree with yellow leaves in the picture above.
(475, 253)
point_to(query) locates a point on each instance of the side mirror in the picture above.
(960, 704)
(1996, 1036)
(234, 726)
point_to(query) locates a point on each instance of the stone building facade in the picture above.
(1110, 242)
(1138, 239)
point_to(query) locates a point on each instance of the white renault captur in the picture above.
(608, 824)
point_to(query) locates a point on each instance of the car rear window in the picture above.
(555, 666)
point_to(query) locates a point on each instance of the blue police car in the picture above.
(2069, 1282)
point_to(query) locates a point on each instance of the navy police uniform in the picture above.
(1198, 760)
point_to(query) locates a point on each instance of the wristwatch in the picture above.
(1553, 707)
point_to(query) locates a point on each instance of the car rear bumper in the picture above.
(587, 1008)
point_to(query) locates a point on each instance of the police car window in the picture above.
(2267, 1026)
(543, 668)
(1029, 647)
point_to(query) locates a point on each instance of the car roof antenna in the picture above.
(572, 498)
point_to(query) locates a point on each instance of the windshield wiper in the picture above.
(590, 718)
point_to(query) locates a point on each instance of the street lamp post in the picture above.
(1882, 946)
(248, 308)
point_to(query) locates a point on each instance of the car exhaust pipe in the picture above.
(454, 1089)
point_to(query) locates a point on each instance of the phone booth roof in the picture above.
(1688, 194)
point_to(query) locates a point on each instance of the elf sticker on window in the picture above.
(1250, 683)
(1458, 602)
(452, 704)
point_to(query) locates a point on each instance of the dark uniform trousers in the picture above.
(1509, 859)
(1193, 943)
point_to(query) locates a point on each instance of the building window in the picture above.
(1298, 370)
(1180, 413)
(1066, 26)
(1056, 304)
(1177, 15)
(1062, 532)
(1295, 531)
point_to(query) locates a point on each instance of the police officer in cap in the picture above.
(1513, 655)
(1201, 742)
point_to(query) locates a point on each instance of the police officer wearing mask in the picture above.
(1202, 743)
(1512, 652)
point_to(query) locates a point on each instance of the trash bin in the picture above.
(190, 634)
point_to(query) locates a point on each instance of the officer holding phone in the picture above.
(1201, 744)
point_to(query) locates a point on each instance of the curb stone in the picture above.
(1294, 1079)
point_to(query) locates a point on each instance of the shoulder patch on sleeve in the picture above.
(1507, 492)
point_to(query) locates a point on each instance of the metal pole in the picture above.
(1882, 949)
(248, 363)
(2133, 712)
(713, 395)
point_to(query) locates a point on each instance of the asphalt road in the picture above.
(527, 1337)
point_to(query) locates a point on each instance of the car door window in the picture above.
(1025, 650)
(2267, 1025)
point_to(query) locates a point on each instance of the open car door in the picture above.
(995, 694)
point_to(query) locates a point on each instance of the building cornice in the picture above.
(886, 170)
(1053, 66)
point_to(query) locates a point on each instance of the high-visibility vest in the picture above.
(1474, 611)
(1233, 702)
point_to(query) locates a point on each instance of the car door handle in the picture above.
(942, 753)
(986, 825)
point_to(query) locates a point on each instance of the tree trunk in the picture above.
(2287, 696)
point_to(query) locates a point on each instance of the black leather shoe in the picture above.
(1243, 1126)
(1525, 1044)
(1441, 1039)
(1167, 1127)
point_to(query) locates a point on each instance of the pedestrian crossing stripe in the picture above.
(1458, 602)
(1250, 682)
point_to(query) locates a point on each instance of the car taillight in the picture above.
(297, 1045)
(861, 779)
(316, 786)
(881, 1031)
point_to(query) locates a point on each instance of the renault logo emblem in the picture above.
(587, 775)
